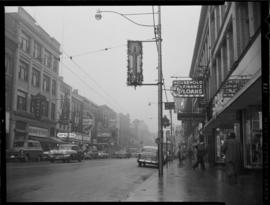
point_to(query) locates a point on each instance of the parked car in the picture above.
(66, 153)
(90, 154)
(133, 152)
(148, 156)
(103, 155)
(25, 150)
(121, 154)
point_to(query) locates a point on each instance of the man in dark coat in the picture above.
(232, 151)
(201, 151)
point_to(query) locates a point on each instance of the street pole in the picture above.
(171, 130)
(160, 130)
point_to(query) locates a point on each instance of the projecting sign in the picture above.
(232, 86)
(190, 116)
(187, 88)
(134, 74)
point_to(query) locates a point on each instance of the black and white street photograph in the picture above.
(136, 103)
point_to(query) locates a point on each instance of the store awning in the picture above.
(250, 95)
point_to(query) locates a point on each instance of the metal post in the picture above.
(171, 130)
(160, 130)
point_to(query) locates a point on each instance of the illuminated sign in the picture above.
(187, 88)
(134, 73)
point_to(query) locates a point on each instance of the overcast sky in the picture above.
(100, 75)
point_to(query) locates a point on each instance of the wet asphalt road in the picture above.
(89, 180)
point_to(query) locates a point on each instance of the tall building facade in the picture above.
(227, 57)
(35, 65)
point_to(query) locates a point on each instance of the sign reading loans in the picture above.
(187, 88)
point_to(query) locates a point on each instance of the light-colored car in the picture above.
(148, 156)
(66, 153)
(25, 150)
(103, 155)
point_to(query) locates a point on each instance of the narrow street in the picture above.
(89, 180)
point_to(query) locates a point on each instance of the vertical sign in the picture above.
(134, 73)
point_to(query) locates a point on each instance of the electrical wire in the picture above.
(107, 94)
(82, 80)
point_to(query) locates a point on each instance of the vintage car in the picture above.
(148, 156)
(121, 154)
(90, 154)
(25, 150)
(103, 155)
(66, 153)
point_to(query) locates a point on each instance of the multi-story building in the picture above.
(124, 139)
(227, 57)
(35, 71)
(106, 122)
(63, 114)
(11, 48)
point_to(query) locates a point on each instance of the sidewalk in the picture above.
(183, 184)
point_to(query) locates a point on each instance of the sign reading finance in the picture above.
(134, 73)
(187, 88)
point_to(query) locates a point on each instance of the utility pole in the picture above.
(160, 130)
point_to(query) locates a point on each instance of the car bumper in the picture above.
(147, 161)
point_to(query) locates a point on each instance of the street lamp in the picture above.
(158, 40)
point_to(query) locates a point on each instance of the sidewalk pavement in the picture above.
(183, 184)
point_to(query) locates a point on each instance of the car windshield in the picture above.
(18, 144)
(149, 149)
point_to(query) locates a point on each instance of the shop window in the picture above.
(23, 71)
(21, 100)
(52, 131)
(32, 104)
(253, 139)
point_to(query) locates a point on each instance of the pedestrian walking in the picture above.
(232, 151)
(179, 154)
(201, 151)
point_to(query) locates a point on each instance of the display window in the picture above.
(220, 136)
(252, 139)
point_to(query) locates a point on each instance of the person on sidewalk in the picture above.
(179, 154)
(232, 151)
(201, 151)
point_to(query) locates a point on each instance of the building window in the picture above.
(32, 104)
(46, 83)
(54, 87)
(53, 111)
(23, 71)
(45, 108)
(256, 15)
(47, 59)
(224, 58)
(230, 46)
(219, 70)
(35, 78)
(217, 19)
(7, 63)
(243, 25)
(25, 42)
(213, 29)
(37, 51)
(21, 100)
(55, 65)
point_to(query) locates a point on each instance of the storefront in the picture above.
(242, 115)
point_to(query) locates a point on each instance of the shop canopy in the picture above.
(250, 95)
